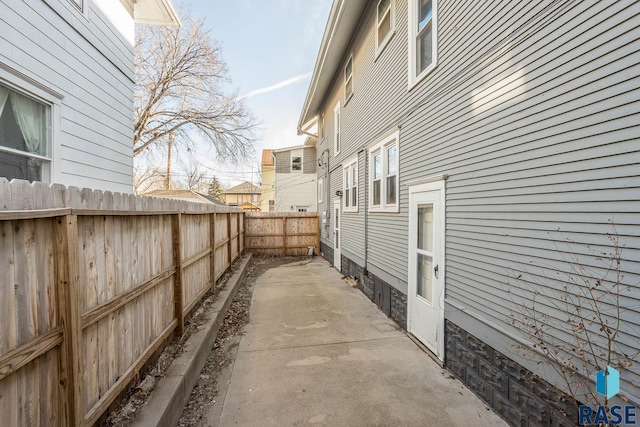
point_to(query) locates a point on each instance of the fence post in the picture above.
(67, 289)
(284, 235)
(229, 237)
(212, 242)
(244, 232)
(178, 305)
(238, 230)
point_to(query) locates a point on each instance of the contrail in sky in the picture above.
(276, 86)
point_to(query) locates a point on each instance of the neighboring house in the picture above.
(187, 195)
(267, 184)
(295, 178)
(66, 89)
(244, 195)
(464, 150)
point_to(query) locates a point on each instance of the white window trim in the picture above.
(19, 82)
(392, 139)
(392, 29)
(347, 96)
(347, 169)
(413, 33)
(336, 129)
(320, 189)
(297, 153)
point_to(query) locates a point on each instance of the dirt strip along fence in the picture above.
(282, 233)
(93, 284)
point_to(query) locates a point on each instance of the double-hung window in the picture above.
(348, 80)
(25, 136)
(385, 25)
(350, 190)
(423, 39)
(383, 160)
(336, 129)
(296, 161)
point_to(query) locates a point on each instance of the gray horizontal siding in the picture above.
(310, 161)
(535, 122)
(91, 65)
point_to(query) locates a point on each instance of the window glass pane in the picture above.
(425, 228)
(424, 49)
(354, 196)
(425, 13)
(376, 192)
(384, 27)
(424, 286)
(349, 87)
(383, 6)
(24, 126)
(391, 160)
(346, 198)
(377, 166)
(296, 163)
(391, 190)
(348, 69)
(354, 175)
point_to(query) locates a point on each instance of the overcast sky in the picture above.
(270, 47)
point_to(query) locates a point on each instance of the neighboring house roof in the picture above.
(188, 195)
(246, 206)
(243, 188)
(160, 12)
(343, 20)
(267, 158)
(310, 142)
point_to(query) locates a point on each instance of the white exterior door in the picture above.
(336, 234)
(426, 265)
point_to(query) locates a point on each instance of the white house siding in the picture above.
(87, 61)
(534, 114)
(295, 190)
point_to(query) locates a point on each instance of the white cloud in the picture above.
(276, 86)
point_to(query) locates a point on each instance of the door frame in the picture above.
(439, 245)
(337, 222)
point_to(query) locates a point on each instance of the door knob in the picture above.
(435, 271)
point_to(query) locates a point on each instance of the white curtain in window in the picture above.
(4, 94)
(30, 116)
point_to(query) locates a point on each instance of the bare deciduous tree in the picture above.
(180, 92)
(147, 179)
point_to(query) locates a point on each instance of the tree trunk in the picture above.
(167, 178)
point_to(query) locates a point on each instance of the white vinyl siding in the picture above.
(90, 65)
(320, 190)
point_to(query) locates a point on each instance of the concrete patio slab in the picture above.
(318, 352)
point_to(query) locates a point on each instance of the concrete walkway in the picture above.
(318, 352)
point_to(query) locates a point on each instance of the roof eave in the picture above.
(343, 19)
(155, 12)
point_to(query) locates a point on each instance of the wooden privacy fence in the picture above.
(93, 284)
(282, 233)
